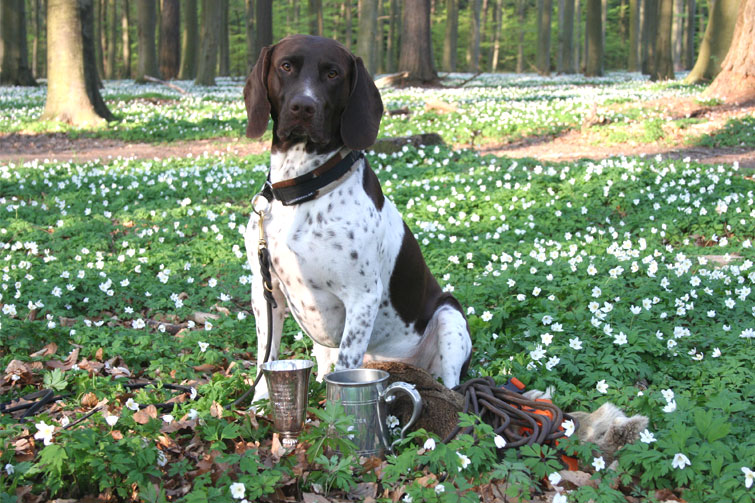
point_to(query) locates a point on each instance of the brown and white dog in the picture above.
(344, 262)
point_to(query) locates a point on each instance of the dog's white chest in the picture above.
(329, 252)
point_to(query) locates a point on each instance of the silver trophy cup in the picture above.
(363, 394)
(287, 383)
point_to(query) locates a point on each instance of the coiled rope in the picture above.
(510, 414)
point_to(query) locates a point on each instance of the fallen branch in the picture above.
(168, 84)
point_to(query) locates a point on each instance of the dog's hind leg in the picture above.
(454, 345)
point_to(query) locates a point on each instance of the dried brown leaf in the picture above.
(575, 479)
(202, 318)
(146, 414)
(49, 349)
(89, 400)
(216, 410)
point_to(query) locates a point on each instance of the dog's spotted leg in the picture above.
(360, 317)
(454, 345)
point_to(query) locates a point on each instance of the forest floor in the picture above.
(584, 143)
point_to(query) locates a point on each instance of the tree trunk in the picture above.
(451, 41)
(736, 81)
(391, 43)
(112, 49)
(544, 12)
(521, 9)
(367, 32)
(35, 44)
(251, 57)
(190, 41)
(13, 46)
(68, 99)
(603, 25)
(146, 19)
(99, 33)
(593, 30)
(348, 31)
(649, 30)
(416, 57)
(91, 74)
(263, 17)
(578, 25)
(663, 67)
(567, 39)
(473, 49)
(678, 33)
(689, 41)
(497, 35)
(126, 41)
(634, 31)
(209, 42)
(716, 41)
(315, 18)
(224, 65)
(170, 45)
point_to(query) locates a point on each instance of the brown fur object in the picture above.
(440, 405)
(609, 428)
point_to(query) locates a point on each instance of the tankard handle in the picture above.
(410, 390)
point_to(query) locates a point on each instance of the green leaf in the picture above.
(53, 456)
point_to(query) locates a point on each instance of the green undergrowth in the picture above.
(627, 280)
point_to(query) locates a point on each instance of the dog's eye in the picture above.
(286, 66)
(332, 74)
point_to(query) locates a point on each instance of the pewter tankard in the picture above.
(364, 394)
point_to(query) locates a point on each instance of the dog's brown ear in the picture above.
(255, 96)
(360, 120)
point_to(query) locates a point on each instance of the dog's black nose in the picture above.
(302, 107)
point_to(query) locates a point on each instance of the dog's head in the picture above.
(316, 91)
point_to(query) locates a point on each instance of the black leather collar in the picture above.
(306, 187)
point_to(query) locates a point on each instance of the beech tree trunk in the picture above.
(315, 18)
(593, 35)
(99, 42)
(348, 34)
(209, 41)
(190, 41)
(716, 41)
(366, 34)
(689, 39)
(566, 55)
(416, 58)
(251, 57)
(394, 27)
(473, 49)
(112, 49)
(736, 81)
(544, 12)
(170, 46)
(521, 9)
(91, 73)
(69, 95)
(649, 30)
(146, 19)
(451, 41)
(663, 66)
(224, 64)
(126, 39)
(497, 35)
(634, 35)
(13, 46)
(263, 17)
